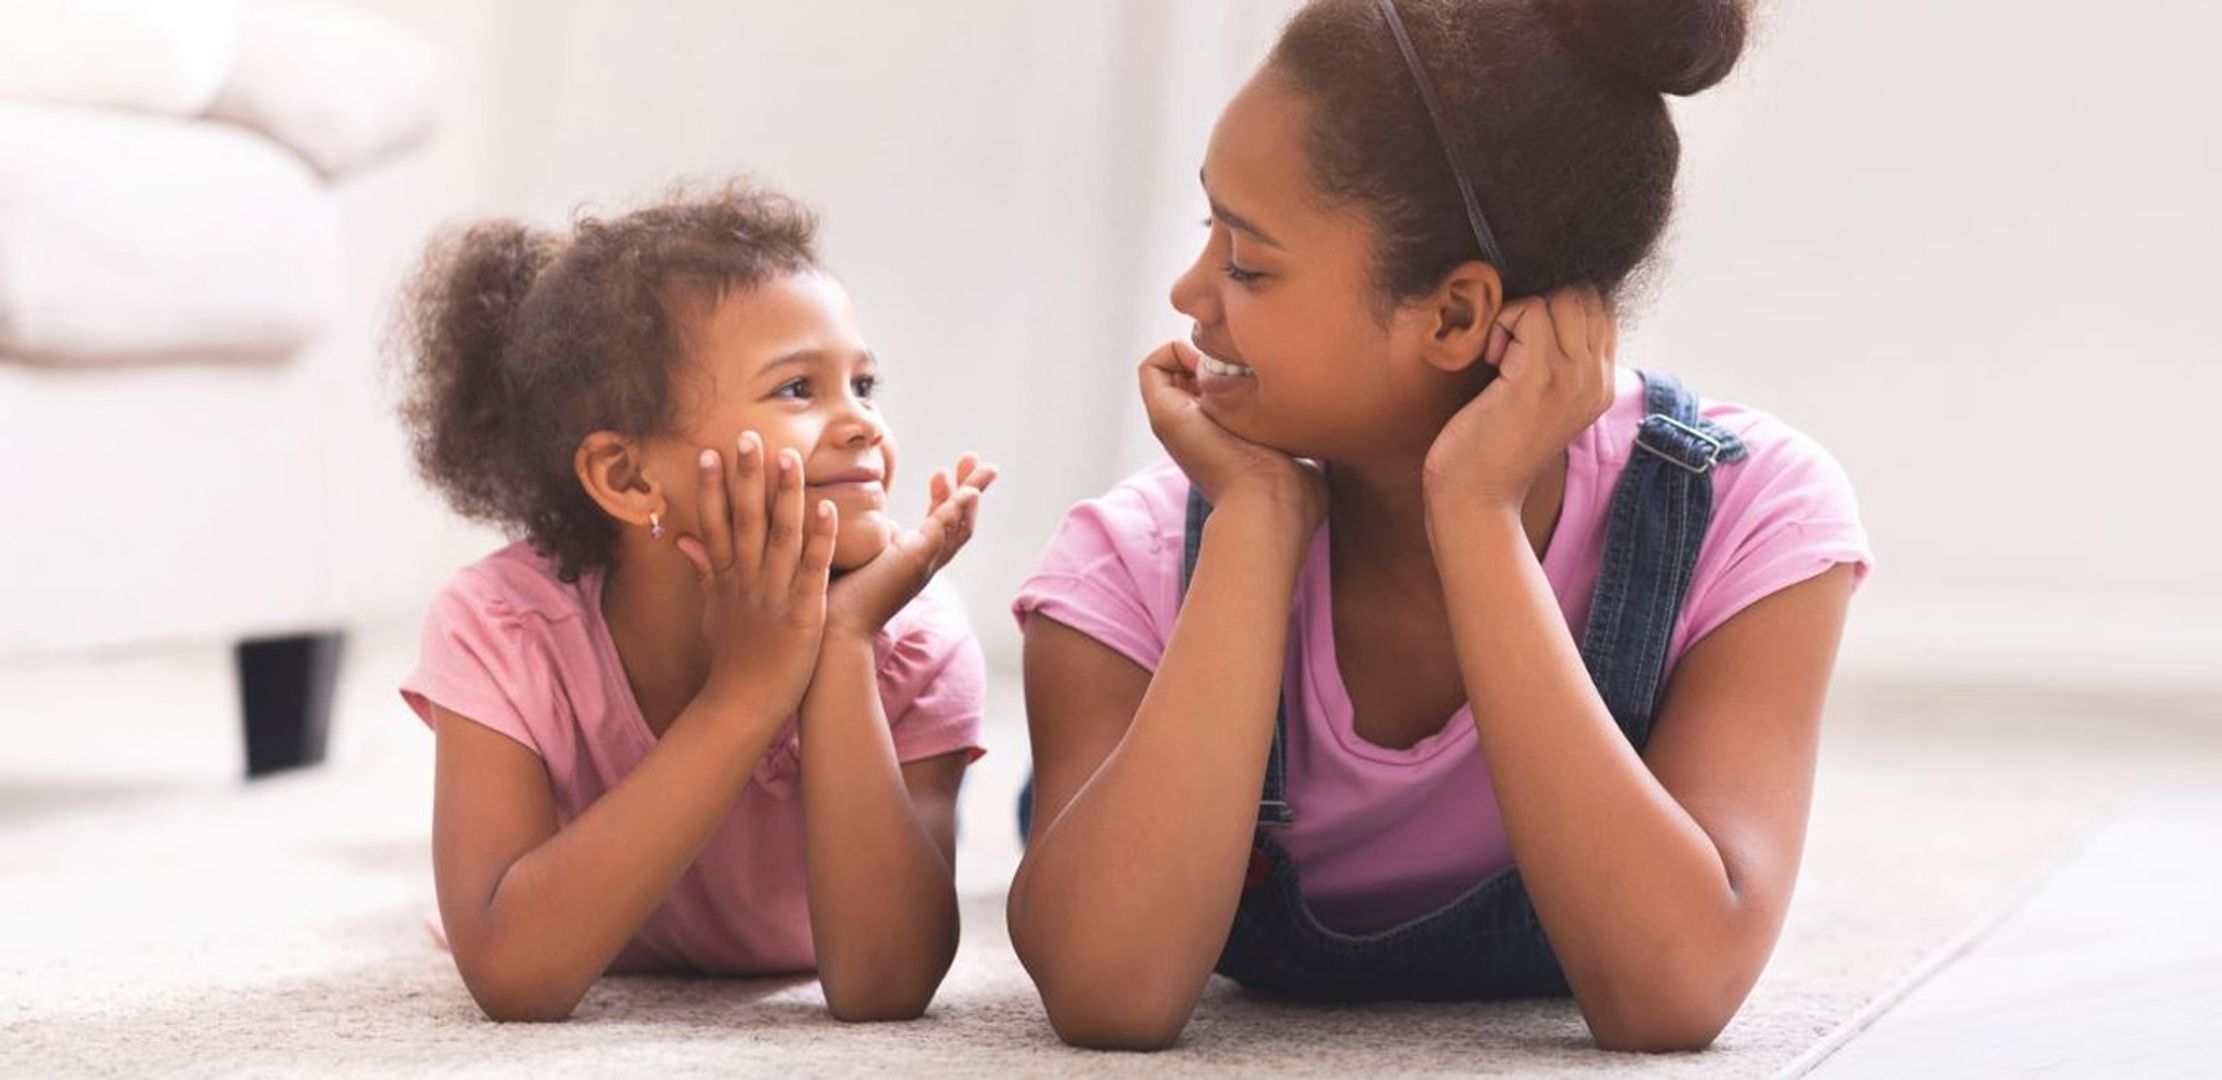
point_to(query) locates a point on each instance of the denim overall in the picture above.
(1488, 943)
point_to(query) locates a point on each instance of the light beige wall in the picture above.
(1965, 245)
(1971, 247)
(995, 178)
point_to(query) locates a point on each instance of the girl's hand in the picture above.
(1222, 465)
(1554, 360)
(862, 601)
(762, 564)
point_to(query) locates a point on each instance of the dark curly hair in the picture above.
(522, 342)
(1555, 108)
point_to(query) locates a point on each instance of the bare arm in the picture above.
(881, 847)
(880, 837)
(1146, 790)
(535, 913)
(535, 910)
(1704, 832)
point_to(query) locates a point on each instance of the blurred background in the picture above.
(1968, 247)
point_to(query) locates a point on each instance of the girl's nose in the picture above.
(1192, 293)
(859, 425)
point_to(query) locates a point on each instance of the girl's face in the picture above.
(1284, 290)
(785, 360)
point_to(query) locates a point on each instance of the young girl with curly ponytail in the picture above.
(704, 715)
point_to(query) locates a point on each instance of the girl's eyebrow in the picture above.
(1234, 220)
(807, 357)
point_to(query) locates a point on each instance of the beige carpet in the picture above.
(277, 932)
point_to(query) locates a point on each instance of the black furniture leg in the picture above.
(285, 689)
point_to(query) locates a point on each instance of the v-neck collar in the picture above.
(1315, 616)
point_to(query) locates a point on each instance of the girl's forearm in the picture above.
(563, 910)
(1587, 822)
(1129, 892)
(883, 900)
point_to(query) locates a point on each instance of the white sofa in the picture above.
(184, 345)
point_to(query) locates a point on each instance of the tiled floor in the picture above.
(2114, 968)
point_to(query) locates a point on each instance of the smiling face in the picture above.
(1302, 353)
(785, 359)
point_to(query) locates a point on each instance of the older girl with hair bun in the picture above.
(1443, 659)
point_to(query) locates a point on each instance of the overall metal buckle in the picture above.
(1715, 447)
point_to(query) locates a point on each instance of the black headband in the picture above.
(1489, 249)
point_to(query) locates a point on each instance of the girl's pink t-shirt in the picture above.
(511, 646)
(1383, 836)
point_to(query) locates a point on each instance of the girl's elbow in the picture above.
(1666, 1034)
(514, 993)
(1116, 1011)
(526, 1010)
(895, 989)
(852, 1004)
(1100, 999)
(509, 1000)
(1117, 1022)
(1671, 1017)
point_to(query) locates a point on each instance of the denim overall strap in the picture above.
(1652, 538)
(1273, 808)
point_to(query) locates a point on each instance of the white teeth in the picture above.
(1210, 366)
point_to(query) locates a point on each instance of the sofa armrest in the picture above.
(341, 86)
(128, 237)
(153, 56)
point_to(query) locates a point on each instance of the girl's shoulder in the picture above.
(506, 642)
(1150, 503)
(515, 586)
(1782, 513)
(931, 669)
(1136, 529)
(1112, 568)
(1141, 517)
(935, 621)
(1783, 469)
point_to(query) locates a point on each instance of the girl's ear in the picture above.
(1461, 315)
(614, 471)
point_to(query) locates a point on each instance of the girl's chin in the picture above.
(1235, 418)
(861, 540)
(1250, 429)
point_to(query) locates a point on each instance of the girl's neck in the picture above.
(1377, 515)
(654, 612)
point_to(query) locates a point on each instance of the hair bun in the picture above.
(1662, 46)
